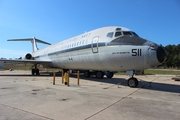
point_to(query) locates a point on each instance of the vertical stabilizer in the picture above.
(34, 45)
(33, 41)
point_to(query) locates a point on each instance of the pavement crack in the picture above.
(148, 82)
(111, 105)
(27, 111)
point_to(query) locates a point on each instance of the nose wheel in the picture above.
(133, 82)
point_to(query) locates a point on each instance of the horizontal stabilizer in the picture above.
(30, 39)
(33, 40)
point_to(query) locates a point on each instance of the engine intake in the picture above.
(28, 56)
(161, 54)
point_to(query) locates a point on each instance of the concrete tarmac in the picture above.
(26, 97)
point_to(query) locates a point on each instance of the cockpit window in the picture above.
(127, 38)
(135, 34)
(110, 34)
(118, 29)
(118, 34)
(127, 33)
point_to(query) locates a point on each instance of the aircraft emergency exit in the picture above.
(104, 51)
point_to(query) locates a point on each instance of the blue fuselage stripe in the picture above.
(74, 49)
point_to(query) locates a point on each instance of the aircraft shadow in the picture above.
(143, 84)
(160, 86)
(42, 74)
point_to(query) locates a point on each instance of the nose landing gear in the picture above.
(132, 82)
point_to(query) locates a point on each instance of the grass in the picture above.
(161, 72)
(27, 67)
(146, 72)
(156, 72)
(17, 66)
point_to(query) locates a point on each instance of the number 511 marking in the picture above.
(136, 52)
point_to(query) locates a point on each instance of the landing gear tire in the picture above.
(99, 74)
(86, 74)
(133, 82)
(109, 74)
(35, 71)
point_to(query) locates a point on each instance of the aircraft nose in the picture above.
(161, 54)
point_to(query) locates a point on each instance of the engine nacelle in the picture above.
(28, 56)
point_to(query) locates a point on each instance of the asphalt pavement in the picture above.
(26, 97)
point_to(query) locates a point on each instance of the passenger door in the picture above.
(94, 44)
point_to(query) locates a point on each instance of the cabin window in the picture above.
(118, 34)
(110, 35)
(127, 33)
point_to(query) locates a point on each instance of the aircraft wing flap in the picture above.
(25, 61)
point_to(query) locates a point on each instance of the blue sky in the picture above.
(56, 20)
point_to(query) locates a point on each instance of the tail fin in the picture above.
(33, 41)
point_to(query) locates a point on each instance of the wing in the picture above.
(26, 61)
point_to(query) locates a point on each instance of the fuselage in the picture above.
(107, 49)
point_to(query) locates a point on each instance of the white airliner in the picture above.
(104, 51)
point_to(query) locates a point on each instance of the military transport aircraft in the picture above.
(104, 51)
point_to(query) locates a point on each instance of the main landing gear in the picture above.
(132, 82)
(109, 74)
(98, 74)
(35, 70)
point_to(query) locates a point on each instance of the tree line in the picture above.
(173, 56)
